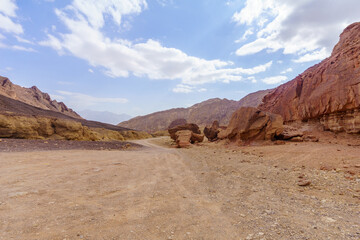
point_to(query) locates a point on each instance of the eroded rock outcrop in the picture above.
(249, 123)
(184, 138)
(328, 91)
(189, 126)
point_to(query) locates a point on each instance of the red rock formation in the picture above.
(184, 138)
(249, 123)
(212, 132)
(328, 91)
(189, 126)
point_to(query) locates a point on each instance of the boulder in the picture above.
(189, 126)
(196, 137)
(183, 138)
(248, 123)
(212, 132)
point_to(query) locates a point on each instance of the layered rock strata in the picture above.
(328, 91)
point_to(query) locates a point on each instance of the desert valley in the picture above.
(279, 163)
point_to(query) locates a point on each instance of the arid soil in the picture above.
(32, 145)
(210, 191)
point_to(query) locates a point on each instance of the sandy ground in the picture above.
(210, 191)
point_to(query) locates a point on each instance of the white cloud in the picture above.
(202, 90)
(83, 101)
(90, 70)
(95, 10)
(7, 14)
(8, 7)
(287, 71)
(17, 48)
(252, 79)
(120, 57)
(182, 88)
(247, 33)
(308, 29)
(274, 80)
(313, 56)
(7, 24)
(23, 40)
(165, 2)
(88, 98)
(21, 48)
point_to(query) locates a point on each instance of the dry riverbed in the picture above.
(212, 191)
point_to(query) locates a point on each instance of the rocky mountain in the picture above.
(202, 114)
(34, 97)
(328, 92)
(104, 116)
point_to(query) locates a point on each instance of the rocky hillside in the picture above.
(34, 97)
(202, 114)
(328, 91)
(21, 120)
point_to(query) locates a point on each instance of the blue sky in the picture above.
(142, 56)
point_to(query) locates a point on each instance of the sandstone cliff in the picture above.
(202, 114)
(33, 96)
(328, 91)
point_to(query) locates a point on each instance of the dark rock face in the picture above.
(249, 123)
(189, 126)
(328, 91)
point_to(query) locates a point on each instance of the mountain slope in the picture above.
(202, 113)
(328, 91)
(33, 96)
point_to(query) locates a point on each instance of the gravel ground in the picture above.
(26, 145)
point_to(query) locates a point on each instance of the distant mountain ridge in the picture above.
(34, 97)
(203, 113)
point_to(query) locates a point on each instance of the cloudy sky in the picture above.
(141, 56)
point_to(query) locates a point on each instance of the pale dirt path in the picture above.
(206, 192)
(147, 194)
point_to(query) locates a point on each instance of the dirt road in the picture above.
(162, 193)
